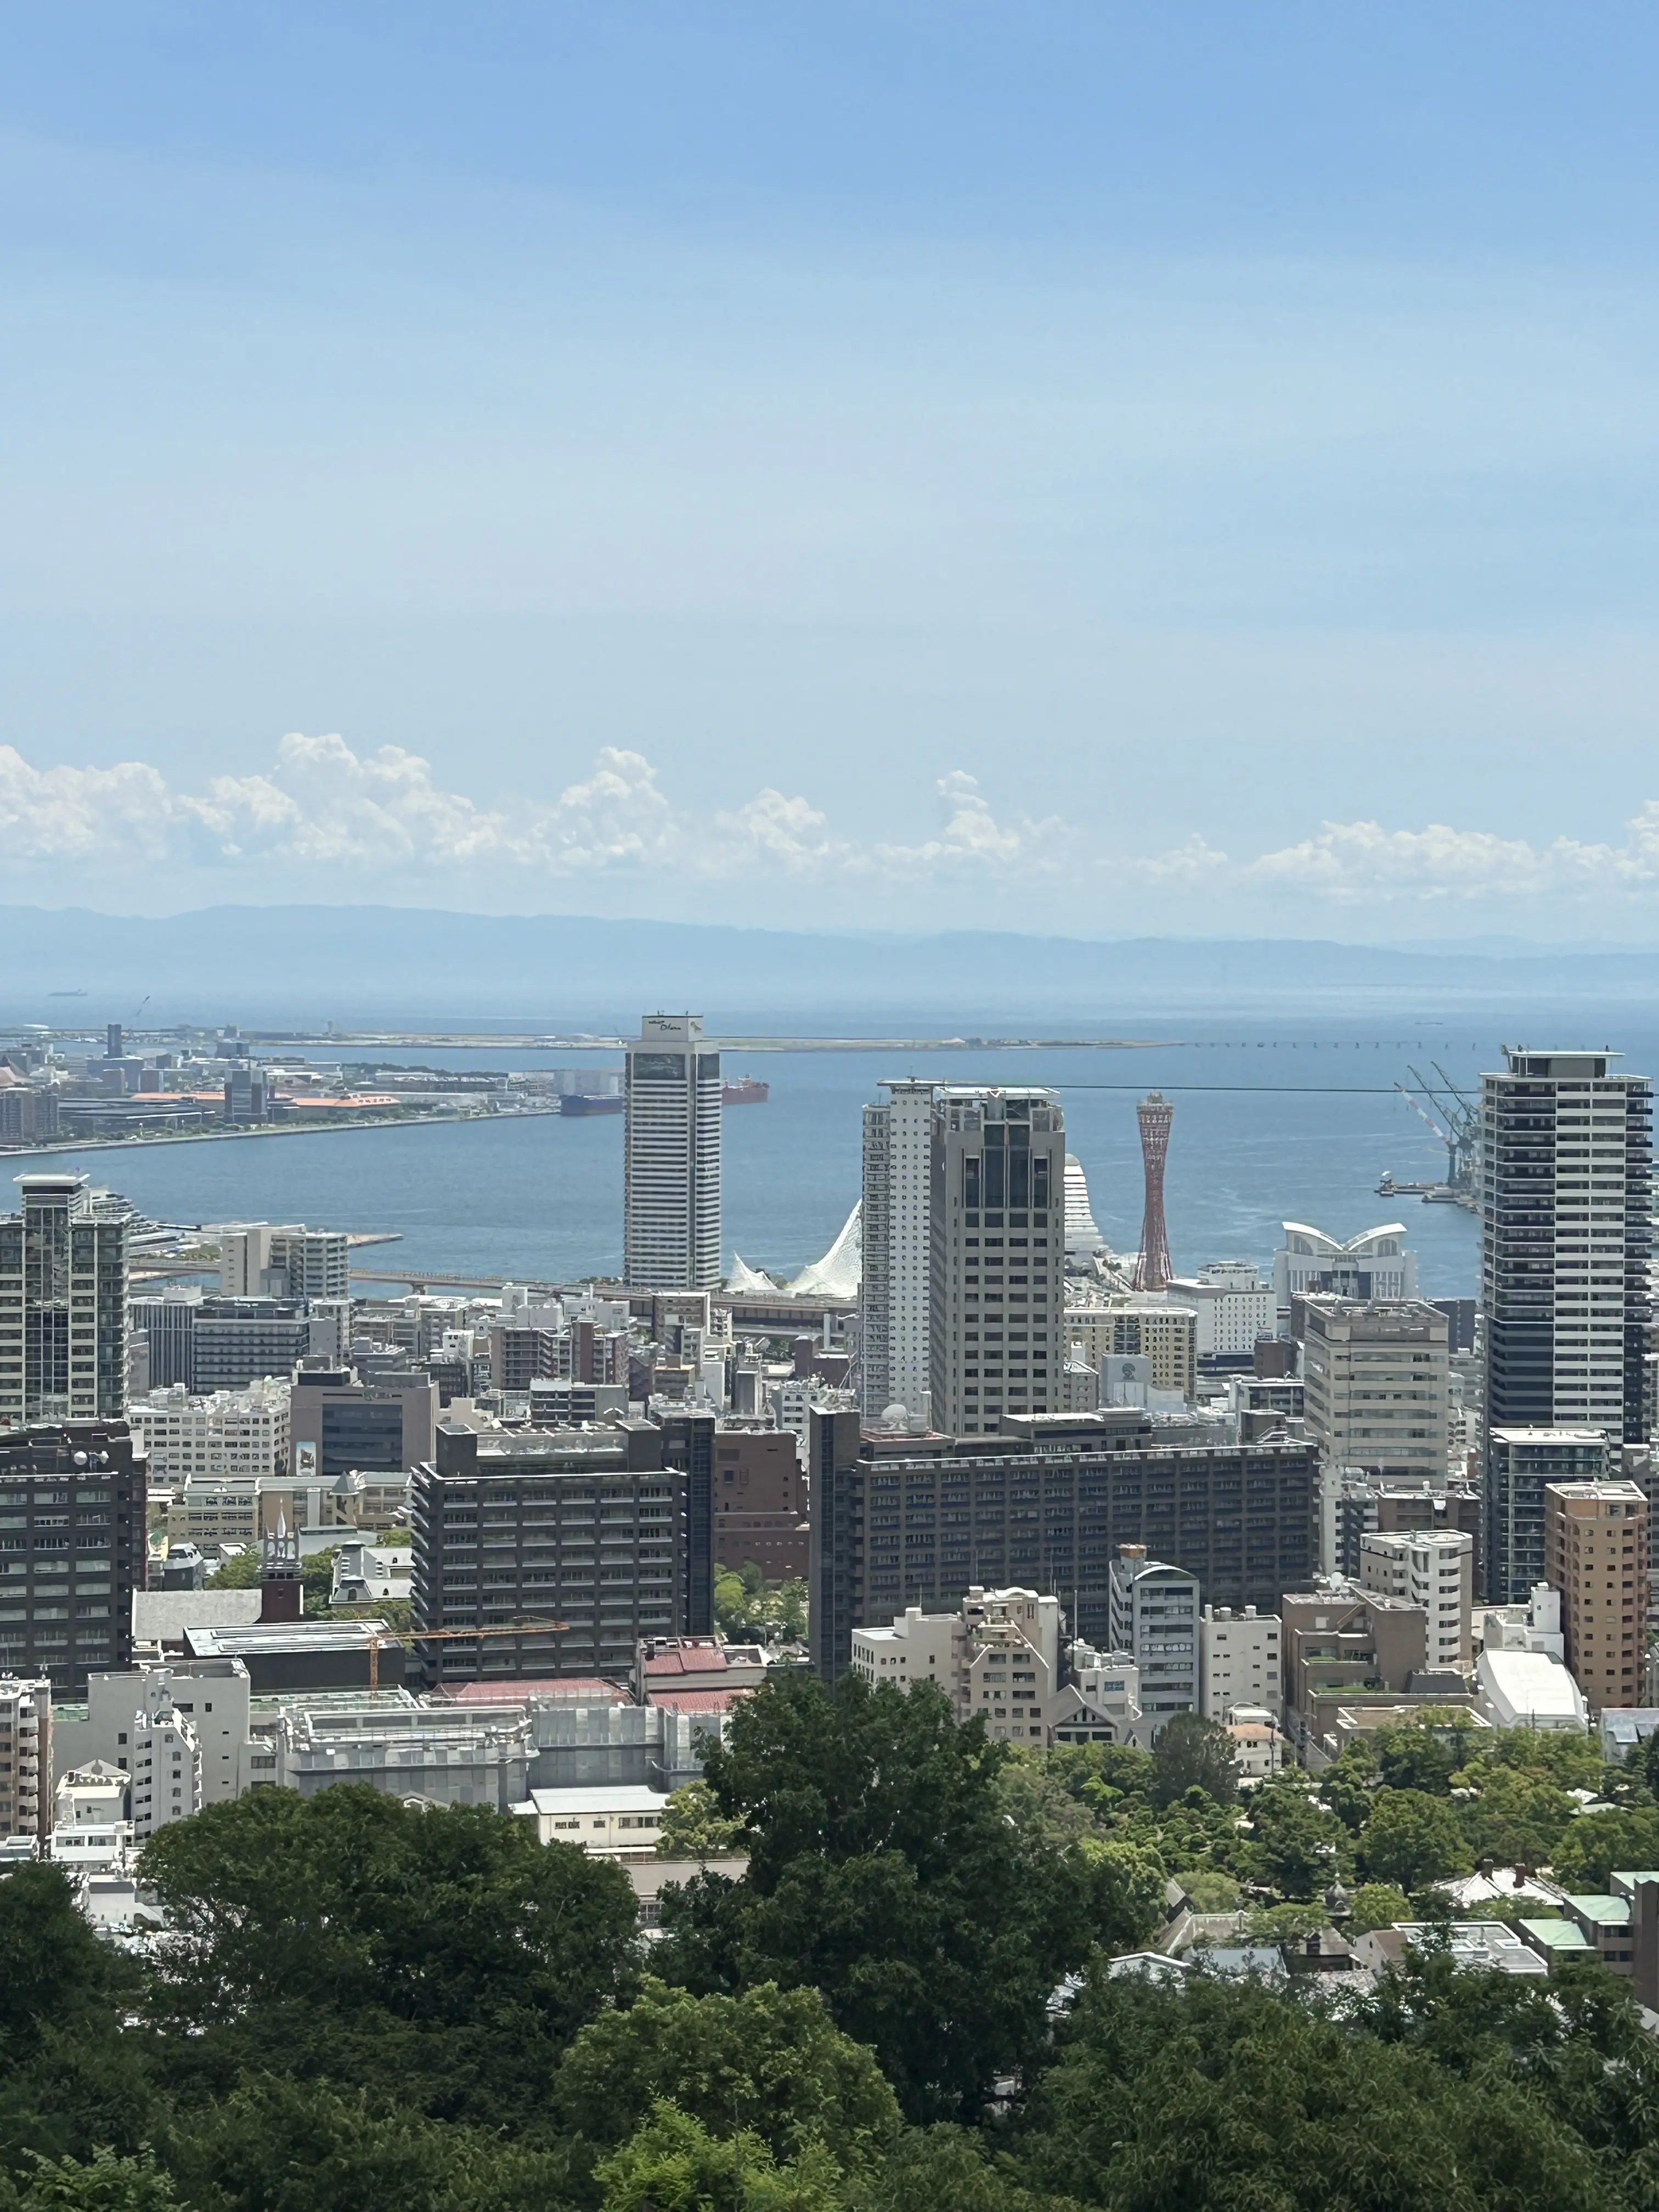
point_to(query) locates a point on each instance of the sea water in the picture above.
(1290, 1118)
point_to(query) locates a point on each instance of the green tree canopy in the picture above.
(885, 1871)
(675, 2164)
(1595, 1843)
(442, 1955)
(275, 2145)
(1216, 2096)
(1411, 1839)
(1516, 1816)
(71, 2080)
(693, 1826)
(105, 2182)
(1300, 1849)
(1376, 1904)
(770, 2061)
(1194, 1754)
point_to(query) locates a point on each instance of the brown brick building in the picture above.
(760, 1502)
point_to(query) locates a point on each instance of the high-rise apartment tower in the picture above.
(672, 1195)
(1567, 1150)
(998, 1197)
(63, 1305)
(894, 1305)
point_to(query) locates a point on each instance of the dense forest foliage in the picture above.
(363, 2007)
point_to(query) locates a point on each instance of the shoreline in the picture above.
(267, 1129)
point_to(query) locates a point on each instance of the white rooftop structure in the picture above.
(836, 1275)
(1530, 1689)
(1083, 1239)
(621, 1817)
(1374, 1265)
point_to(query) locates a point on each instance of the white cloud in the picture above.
(322, 806)
(1351, 861)
(77, 813)
(972, 837)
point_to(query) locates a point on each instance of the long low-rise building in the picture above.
(622, 1820)
(901, 1521)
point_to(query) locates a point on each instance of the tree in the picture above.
(1518, 1817)
(1194, 1754)
(104, 2184)
(1219, 2095)
(884, 1872)
(1350, 1781)
(1283, 1924)
(945, 2169)
(1207, 1892)
(1300, 1849)
(1411, 1839)
(239, 1572)
(317, 1578)
(71, 2080)
(1376, 1904)
(692, 1826)
(285, 2146)
(770, 2061)
(444, 1957)
(674, 2163)
(1595, 1843)
(1126, 1891)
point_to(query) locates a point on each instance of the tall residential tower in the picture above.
(894, 1304)
(998, 1231)
(62, 1304)
(1566, 1226)
(671, 1196)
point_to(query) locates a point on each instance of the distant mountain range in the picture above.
(360, 965)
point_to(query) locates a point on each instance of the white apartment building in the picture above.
(997, 1200)
(166, 1760)
(90, 1832)
(671, 1146)
(211, 1697)
(1433, 1568)
(894, 1299)
(230, 1436)
(1309, 1264)
(1240, 1662)
(1567, 1159)
(1374, 1387)
(25, 1756)
(63, 1303)
(1154, 1616)
(283, 1260)
(1233, 1307)
(999, 1657)
(1101, 1703)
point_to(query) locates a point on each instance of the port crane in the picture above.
(1460, 1135)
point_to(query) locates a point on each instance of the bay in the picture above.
(1276, 1118)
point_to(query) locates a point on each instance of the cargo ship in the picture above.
(588, 1102)
(747, 1090)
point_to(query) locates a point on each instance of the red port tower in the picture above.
(1153, 1267)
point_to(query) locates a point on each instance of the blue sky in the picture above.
(1187, 469)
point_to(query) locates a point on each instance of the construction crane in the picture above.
(407, 1636)
(1462, 1134)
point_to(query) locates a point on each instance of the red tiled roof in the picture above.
(697, 1701)
(567, 1689)
(702, 1659)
